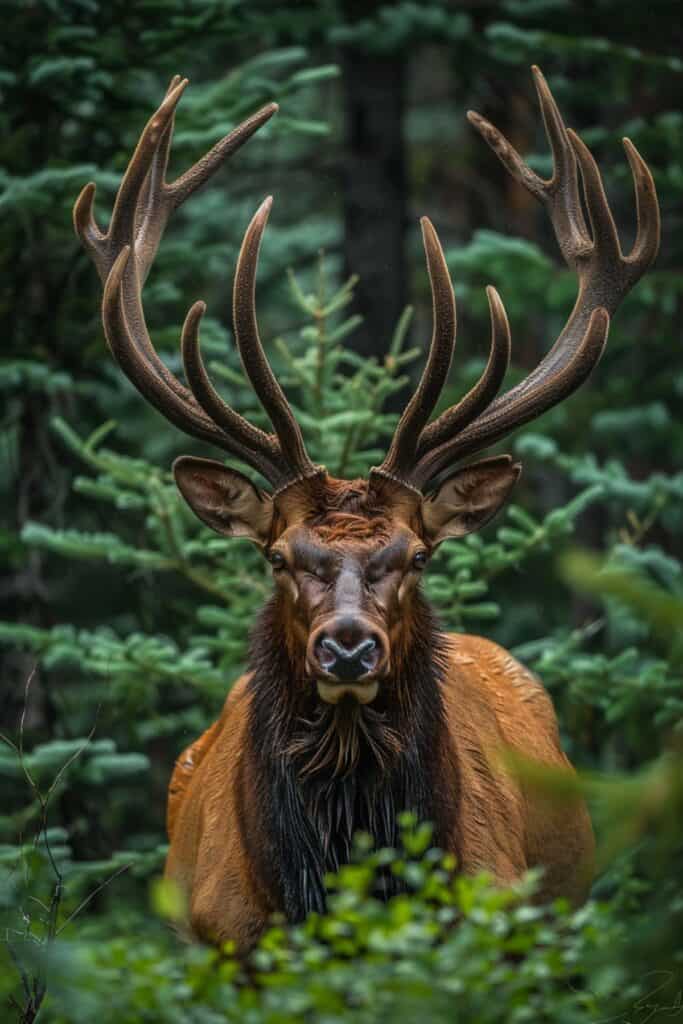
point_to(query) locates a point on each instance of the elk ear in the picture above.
(223, 499)
(469, 498)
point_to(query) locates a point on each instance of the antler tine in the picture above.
(400, 458)
(592, 249)
(251, 349)
(149, 224)
(644, 250)
(252, 439)
(434, 448)
(184, 186)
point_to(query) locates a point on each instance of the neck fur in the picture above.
(329, 771)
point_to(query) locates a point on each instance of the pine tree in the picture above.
(136, 618)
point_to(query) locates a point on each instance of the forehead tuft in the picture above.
(337, 527)
(343, 512)
(349, 513)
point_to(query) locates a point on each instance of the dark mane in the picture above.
(329, 772)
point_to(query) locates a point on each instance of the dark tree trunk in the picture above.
(375, 192)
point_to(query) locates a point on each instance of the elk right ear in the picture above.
(224, 499)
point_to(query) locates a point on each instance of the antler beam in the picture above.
(123, 256)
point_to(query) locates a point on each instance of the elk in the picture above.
(355, 705)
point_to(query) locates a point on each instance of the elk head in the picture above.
(347, 555)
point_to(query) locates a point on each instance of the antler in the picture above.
(605, 276)
(123, 255)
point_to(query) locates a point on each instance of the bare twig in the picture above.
(91, 896)
(35, 987)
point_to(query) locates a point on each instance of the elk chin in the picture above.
(332, 693)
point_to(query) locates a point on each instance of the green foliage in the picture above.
(436, 950)
(131, 619)
(343, 395)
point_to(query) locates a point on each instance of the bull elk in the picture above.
(355, 705)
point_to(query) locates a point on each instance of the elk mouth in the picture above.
(362, 691)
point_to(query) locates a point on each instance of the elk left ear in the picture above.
(224, 499)
(469, 498)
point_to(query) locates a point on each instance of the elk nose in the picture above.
(347, 664)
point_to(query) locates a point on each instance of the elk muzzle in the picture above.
(347, 655)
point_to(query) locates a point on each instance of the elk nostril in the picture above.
(327, 652)
(368, 652)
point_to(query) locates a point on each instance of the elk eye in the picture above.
(419, 560)
(276, 560)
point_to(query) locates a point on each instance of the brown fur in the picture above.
(491, 702)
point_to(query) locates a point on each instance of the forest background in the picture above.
(124, 622)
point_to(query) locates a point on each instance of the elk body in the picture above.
(356, 706)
